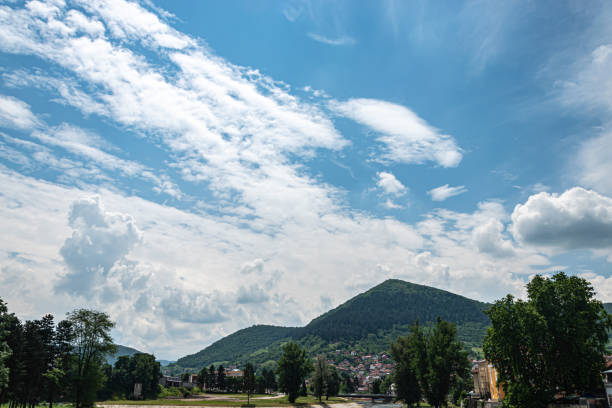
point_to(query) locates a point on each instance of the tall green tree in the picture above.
(220, 379)
(554, 341)
(406, 354)
(91, 342)
(270, 379)
(248, 381)
(333, 382)
(211, 379)
(429, 363)
(320, 377)
(446, 362)
(292, 369)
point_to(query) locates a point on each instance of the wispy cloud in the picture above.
(407, 137)
(15, 113)
(443, 192)
(343, 40)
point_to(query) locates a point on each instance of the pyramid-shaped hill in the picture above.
(394, 302)
(369, 322)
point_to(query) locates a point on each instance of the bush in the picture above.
(169, 392)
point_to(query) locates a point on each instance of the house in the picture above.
(607, 380)
(486, 381)
(234, 373)
(169, 381)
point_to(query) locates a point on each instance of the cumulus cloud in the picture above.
(389, 184)
(443, 192)
(406, 136)
(575, 219)
(255, 266)
(252, 294)
(99, 239)
(15, 113)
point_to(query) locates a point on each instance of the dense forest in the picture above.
(367, 323)
(393, 302)
(237, 346)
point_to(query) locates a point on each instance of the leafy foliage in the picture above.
(293, 367)
(554, 341)
(430, 363)
(320, 377)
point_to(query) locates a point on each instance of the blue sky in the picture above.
(197, 167)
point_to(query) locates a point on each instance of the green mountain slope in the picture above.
(121, 351)
(367, 323)
(393, 302)
(230, 349)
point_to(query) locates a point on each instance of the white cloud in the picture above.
(15, 113)
(235, 134)
(343, 40)
(99, 239)
(575, 219)
(593, 163)
(389, 184)
(589, 88)
(406, 136)
(443, 192)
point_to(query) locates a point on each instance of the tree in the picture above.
(385, 386)
(376, 386)
(220, 377)
(430, 363)
(211, 379)
(270, 379)
(202, 378)
(260, 384)
(91, 342)
(405, 352)
(333, 382)
(446, 362)
(248, 381)
(319, 379)
(554, 341)
(347, 383)
(292, 369)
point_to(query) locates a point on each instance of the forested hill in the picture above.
(233, 347)
(368, 322)
(394, 302)
(121, 351)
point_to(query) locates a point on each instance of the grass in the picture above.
(283, 401)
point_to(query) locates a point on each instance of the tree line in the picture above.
(44, 361)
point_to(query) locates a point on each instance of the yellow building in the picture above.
(497, 391)
(486, 383)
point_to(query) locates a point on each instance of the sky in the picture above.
(193, 168)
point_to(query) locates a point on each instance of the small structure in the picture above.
(486, 381)
(170, 381)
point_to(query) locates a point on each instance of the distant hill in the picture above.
(239, 344)
(608, 307)
(394, 302)
(121, 351)
(368, 322)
